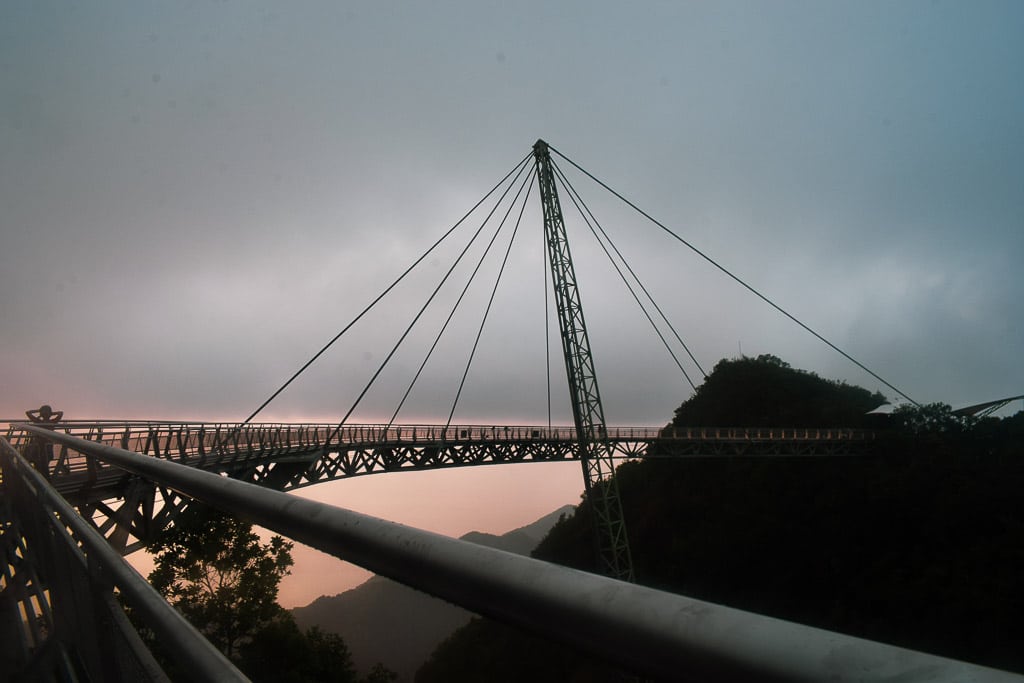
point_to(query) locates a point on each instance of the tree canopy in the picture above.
(218, 573)
(766, 392)
(215, 570)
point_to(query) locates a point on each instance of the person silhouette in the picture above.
(44, 414)
(40, 451)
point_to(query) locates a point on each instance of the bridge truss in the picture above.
(128, 510)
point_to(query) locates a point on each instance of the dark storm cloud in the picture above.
(196, 198)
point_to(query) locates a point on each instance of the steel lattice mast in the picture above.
(588, 415)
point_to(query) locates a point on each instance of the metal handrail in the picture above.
(215, 433)
(198, 656)
(645, 630)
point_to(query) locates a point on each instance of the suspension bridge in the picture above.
(78, 495)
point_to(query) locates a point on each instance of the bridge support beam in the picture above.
(588, 413)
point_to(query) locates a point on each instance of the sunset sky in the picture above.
(195, 197)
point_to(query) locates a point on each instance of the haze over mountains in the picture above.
(384, 621)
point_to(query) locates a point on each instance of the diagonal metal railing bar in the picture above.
(644, 630)
(104, 570)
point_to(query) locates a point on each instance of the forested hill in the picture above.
(766, 392)
(920, 544)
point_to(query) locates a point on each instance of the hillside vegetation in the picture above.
(766, 392)
(919, 544)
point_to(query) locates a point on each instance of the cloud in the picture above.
(199, 198)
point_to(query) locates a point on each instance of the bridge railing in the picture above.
(644, 630)
(60, 612)
(161, 437)
(766, 434)
(236, 445)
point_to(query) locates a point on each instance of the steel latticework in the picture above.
(128, 510)
(588, 415)
(63, 589)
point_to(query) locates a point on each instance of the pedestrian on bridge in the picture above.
(39, 451)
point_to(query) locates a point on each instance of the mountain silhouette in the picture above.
(384, 621)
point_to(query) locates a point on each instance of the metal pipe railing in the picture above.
(421, 432)
(644, 630)
(201, 659)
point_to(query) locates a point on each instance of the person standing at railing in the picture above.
(39, 451)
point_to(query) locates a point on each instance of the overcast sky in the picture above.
(195, 197)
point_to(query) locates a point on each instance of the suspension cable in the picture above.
(462, 295)
(490, 301)
(433, 294)
(578, 202)
(622, 258)
(736, 278)
(387, 290)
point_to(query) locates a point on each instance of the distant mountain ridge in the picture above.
(384, 621)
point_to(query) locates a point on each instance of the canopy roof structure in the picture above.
(987, 408)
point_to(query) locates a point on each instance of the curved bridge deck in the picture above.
(290, 455)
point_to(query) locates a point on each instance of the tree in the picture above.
(380, 674)
(929, 419)
(281, 653)
(767, 392)
(216, 572)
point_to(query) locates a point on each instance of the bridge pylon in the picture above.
(602, 489)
